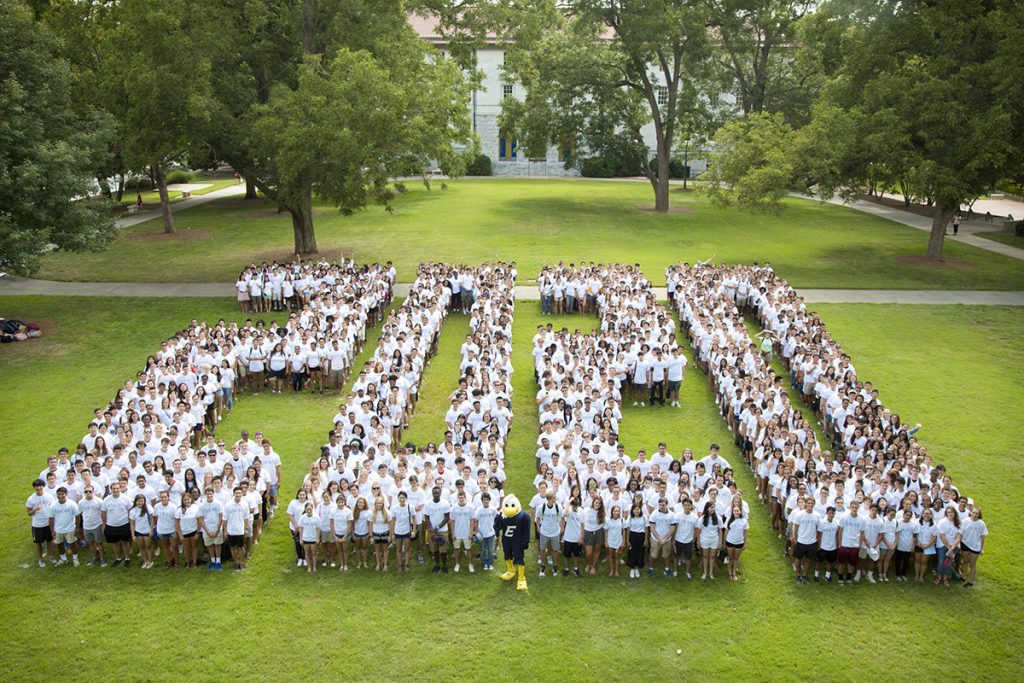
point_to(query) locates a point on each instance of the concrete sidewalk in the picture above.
(195, 200)
(16, 286)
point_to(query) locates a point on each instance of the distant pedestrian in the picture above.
(956, 223)
(138, 200)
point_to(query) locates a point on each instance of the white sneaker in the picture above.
(471, 570)
(62, 561)
(871, 579)
(457, 567)
(42, 563)
(298, 563)
(634, 404)
(74, 560)
(642, 404)
(856, 578)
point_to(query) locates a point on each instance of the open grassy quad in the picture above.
(538, 222)
(959, 370)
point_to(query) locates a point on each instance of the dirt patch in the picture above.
(671, 209)
(182, 235)
(956, 264)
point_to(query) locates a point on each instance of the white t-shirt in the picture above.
(807, 527)
(310, 528)
(90, 509)
(63, 516)
(188, 518)
(462, 520)
(828, 534)
(143, 527)
(485, 521)
(735, 530)
(613, 532)
(165, 516)
(573, 525)
(435, 512)
(550, 519)
(116, 508)
(851, 530)
(211, 513)
(971, 533)
(41, 517)
(236, 517)
(686, 525)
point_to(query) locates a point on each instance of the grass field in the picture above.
(959, 370)
(1010, 238)
(213, 181)
(543, 221)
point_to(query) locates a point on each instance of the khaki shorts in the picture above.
(213, 540)
(68, 537)
(466, 543)
(661, 550)
(93, 535)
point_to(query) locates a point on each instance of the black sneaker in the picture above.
(444, 569)
(576, 571)
(117, 562)
(127, 563)
(565, 572)
(435, 570)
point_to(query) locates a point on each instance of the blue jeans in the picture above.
(487, 550)
(545, 304)
(225, 393)
(941, 555)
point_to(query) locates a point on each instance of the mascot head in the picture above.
(510, 507)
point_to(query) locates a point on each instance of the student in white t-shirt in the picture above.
(463, 529)
(186, 517)
(615, 538)
(38, 506)
(380, 528)
(140, 522)
(341, 527)
(92, 524)
(972, 543)
(309, 532)
(484, 516)
(210, 517)
(735, 537)
(63, 520)
(403, 528)
(166, 528)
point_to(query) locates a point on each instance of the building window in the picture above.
(662, 96)
(508, 148)
(506, 91)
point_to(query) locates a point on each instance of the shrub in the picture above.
(1018, 229)
(596, 167)
(479, 165)
(139, 182)
(609, 167)
(178, 176)
(675, 168)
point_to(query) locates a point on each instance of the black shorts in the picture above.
(968, 549)
(236, 541)
(380, 539)
(738, 546)
(275, 374)
(684, 550)
(41, 534)
(805, 551)
(117, 534)
(570, 549)
(190, 534)
(829, 556)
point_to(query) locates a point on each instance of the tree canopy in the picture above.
(48, 150)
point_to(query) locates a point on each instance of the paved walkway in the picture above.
(967, 228)
(180, 205)
(12, 286)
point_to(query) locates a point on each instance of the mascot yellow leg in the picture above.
(510, 574)
(521, 585)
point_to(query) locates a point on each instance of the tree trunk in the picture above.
(302, 224)
(165, 202)
(120, 187)
(661, 186)
(250, 189)
(938, 235)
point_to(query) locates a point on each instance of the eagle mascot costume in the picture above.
(513, 527)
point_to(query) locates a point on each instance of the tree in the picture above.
(48, 151)
(946, 74)
(276, 57)
(605, 69)
(158, 76)
(753, 39)
(353, 124)
(752, 162)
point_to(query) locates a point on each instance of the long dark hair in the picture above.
(713, 517)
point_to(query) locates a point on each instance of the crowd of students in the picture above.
(151, 474)
(876, 505)
(368, 497)
(658, 512)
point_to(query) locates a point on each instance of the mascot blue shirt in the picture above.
(513, 527)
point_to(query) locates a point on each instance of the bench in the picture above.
(133, 209)
(185, 194)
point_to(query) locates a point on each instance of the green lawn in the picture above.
(542, 221)
(956, 369)
(212, 180)
(1010, 238)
